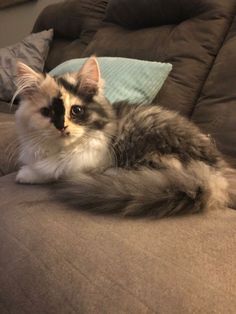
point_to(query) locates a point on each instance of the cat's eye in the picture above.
(45, 111)
(77, 111)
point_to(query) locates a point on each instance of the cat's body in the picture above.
(122, 158)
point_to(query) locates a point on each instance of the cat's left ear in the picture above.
(89, 78)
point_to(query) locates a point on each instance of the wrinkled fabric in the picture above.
(215, 110)
(54, 259)
(32, 50)
(74, 23)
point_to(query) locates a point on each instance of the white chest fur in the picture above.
(49, 162)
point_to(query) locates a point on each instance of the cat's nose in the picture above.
(64, 131)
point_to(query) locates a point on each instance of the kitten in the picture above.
(124, 158)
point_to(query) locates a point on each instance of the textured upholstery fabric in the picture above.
(137, 81)
(8, 144)
(76, 21)
(141, 14)
(57, 260)
(190, 41)
(215, 111)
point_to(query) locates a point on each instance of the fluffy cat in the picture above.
(123, 158)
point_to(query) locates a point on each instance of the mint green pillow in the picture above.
(134, 80)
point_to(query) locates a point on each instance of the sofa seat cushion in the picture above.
(57, 260)
(8, 144)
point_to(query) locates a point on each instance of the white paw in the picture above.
(27, 175)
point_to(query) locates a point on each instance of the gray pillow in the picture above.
(32, 50)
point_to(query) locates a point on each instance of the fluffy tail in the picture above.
(147, 192)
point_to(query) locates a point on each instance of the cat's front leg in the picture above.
(29, 175)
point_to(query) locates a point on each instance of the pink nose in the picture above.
(63, 130)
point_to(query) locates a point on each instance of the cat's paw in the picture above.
(27, 176)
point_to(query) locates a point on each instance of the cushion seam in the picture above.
(210, 69)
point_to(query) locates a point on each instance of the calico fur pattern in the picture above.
(121, 158)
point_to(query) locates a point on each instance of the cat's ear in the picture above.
(26, 78)
(89, 78)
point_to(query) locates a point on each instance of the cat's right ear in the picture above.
(26, 78)
(90, 82)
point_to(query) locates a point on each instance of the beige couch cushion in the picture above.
(57, 260)
(8, 144)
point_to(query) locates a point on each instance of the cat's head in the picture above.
(63, 108)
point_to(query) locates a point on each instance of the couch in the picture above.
(55, 259)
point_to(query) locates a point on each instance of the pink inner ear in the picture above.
(90, 74)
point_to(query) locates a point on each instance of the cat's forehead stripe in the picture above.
(96, 107)
(73, 89)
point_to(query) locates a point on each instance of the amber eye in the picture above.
(77, 111)
(45, 111)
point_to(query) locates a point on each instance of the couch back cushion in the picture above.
(74, 23)
(134, 14)
(186, 33)
(215, 111)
